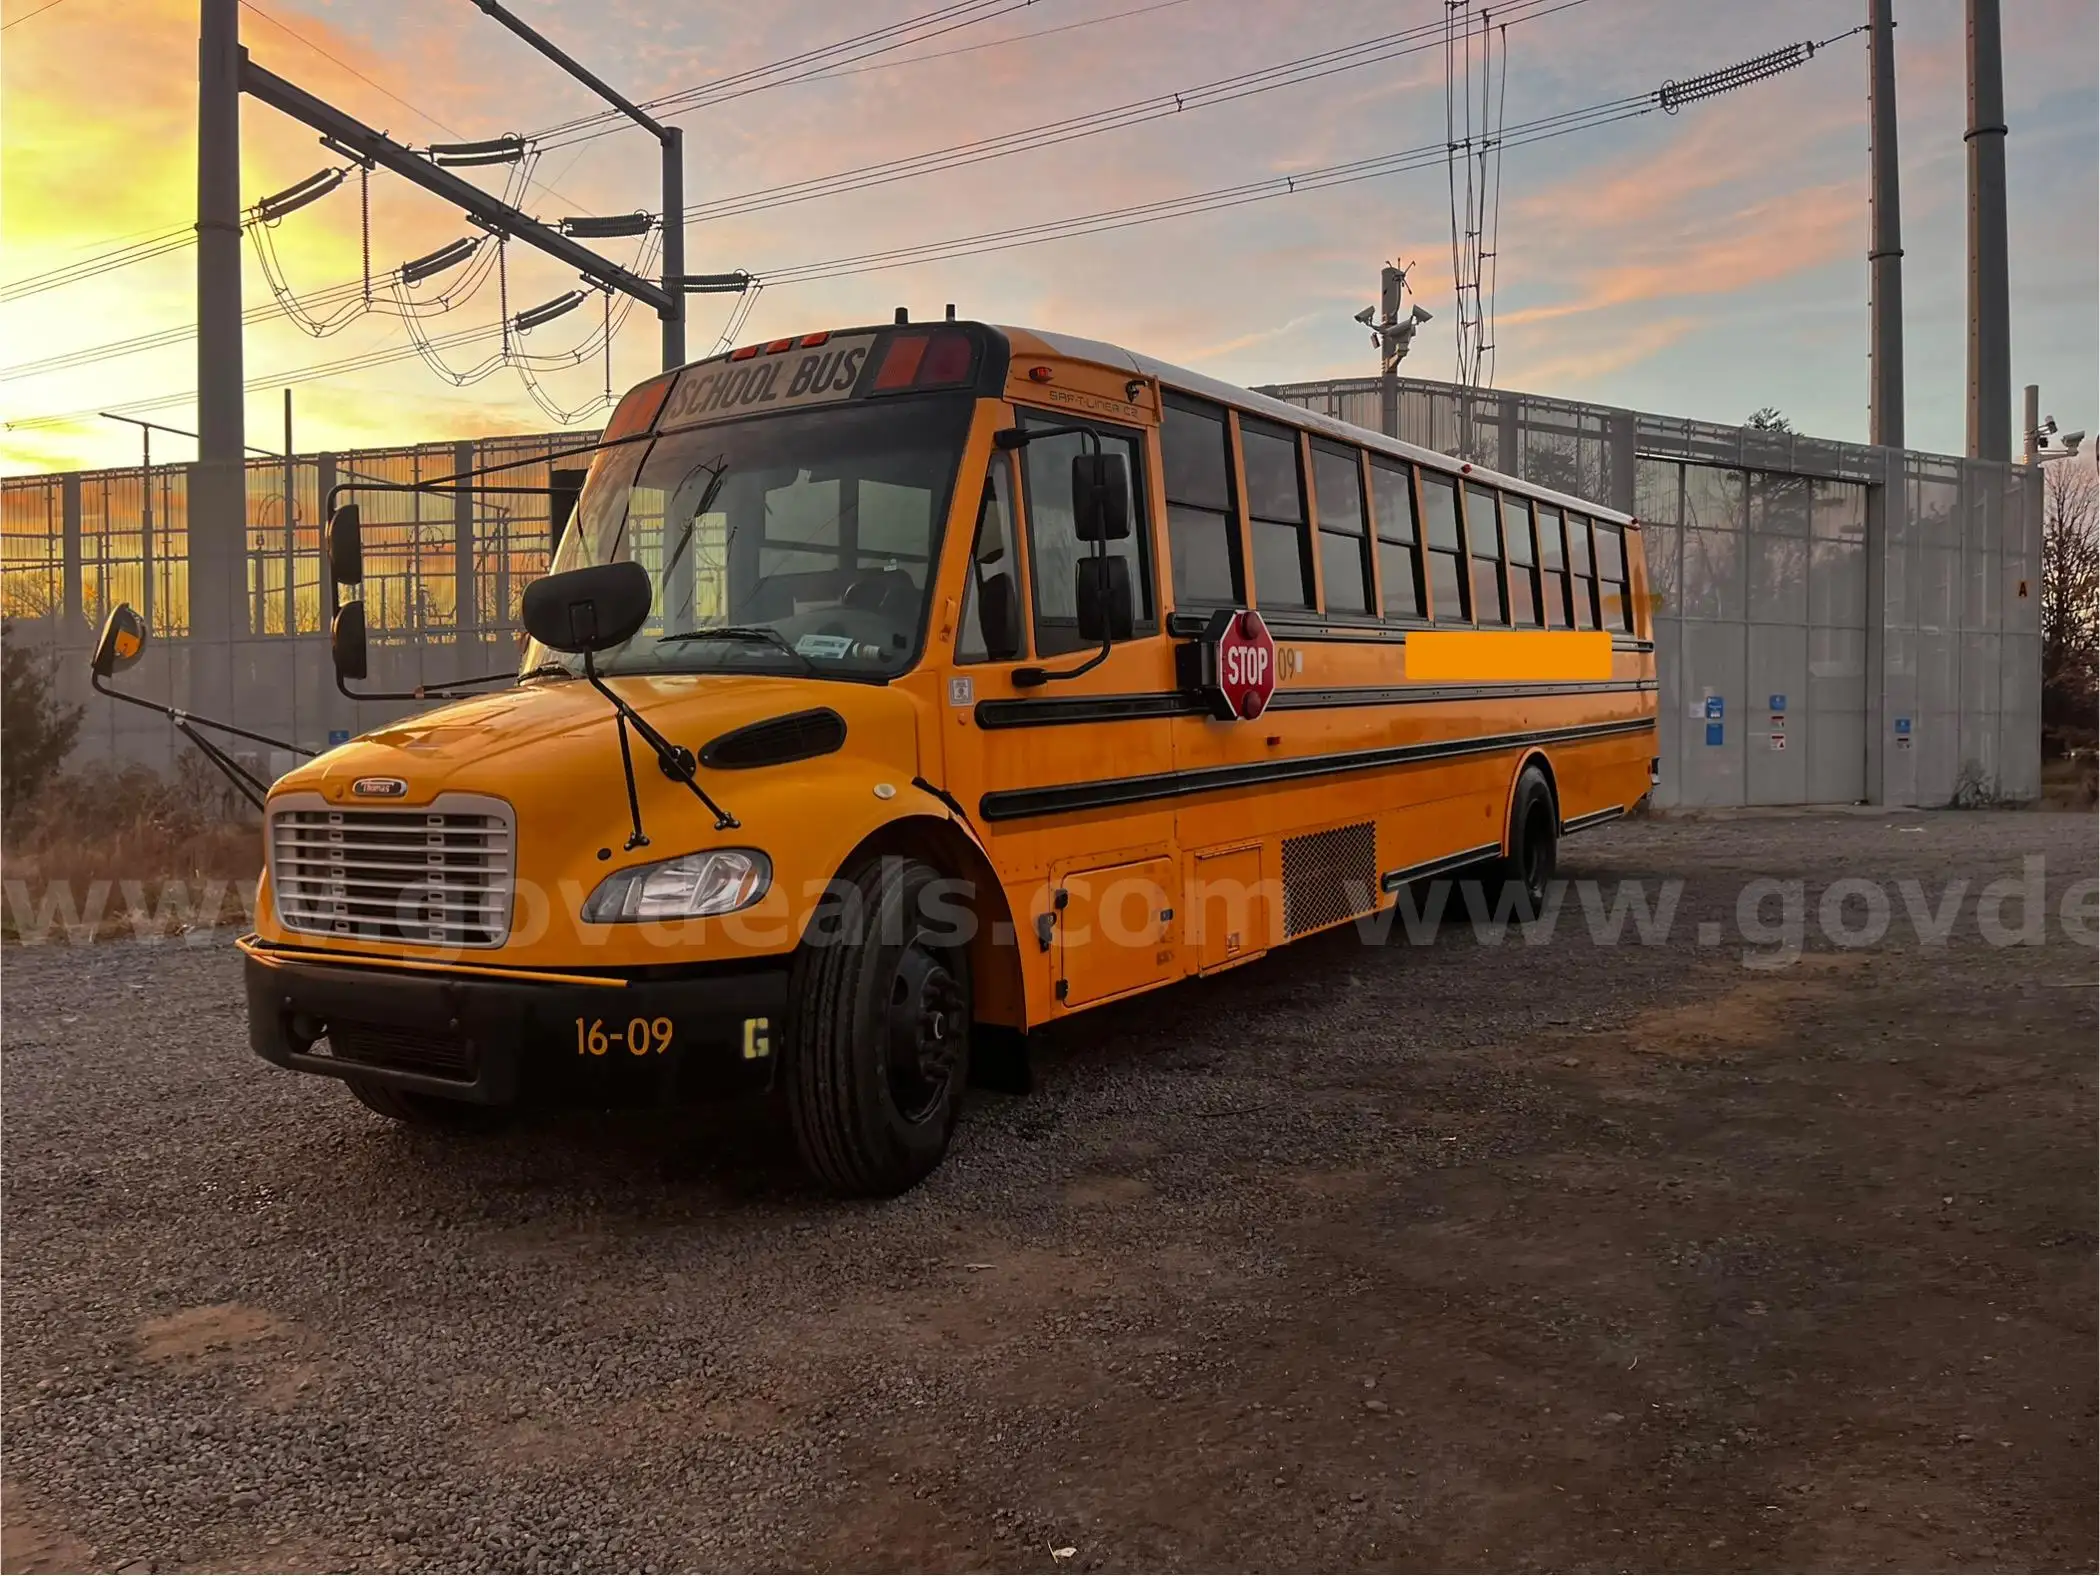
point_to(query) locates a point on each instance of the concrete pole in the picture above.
(1885, 250)
(218, 503)
(1990, 347)
(674, 245)
(2031, 421)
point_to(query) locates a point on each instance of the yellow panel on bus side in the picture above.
(1115, 930)
(1228, 908)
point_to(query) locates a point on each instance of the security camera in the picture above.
(1422, 313)
(2071, 440)
(1364, 317)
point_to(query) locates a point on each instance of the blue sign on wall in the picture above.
(1779, 703)
(1903, 726)
(1713, 711)
(1713, 732)
(338, 736)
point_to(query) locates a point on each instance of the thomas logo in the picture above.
(379, 788)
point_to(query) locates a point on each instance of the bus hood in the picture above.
(564, 730)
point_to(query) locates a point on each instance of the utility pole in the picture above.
(674, 245)
(1394, 335)
(672, 309)
(1885, 248)
(218, 508)
(1990, 335)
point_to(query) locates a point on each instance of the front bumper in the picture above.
(480, 1037)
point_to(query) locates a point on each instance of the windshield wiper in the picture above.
(761, 632)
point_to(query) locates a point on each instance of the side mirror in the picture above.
(598, 608)
(999, 616)
(1101, 597)
(346, 547)
(1100, 497)
(123, 637)
(346, 641)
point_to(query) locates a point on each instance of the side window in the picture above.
(993, 585)
(1483, 542)
(1582, 574)
(1338, 495)
(1523, 562)
(1276, 516)
(1054, 547)
(1399, 552)
(1615, 602)
(1448, 583)
(1203, 535)
(1553, 568)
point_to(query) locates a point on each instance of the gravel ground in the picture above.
(1362, 1256)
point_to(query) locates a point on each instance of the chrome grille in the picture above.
(438, 876)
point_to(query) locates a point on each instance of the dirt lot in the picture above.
(1446, 1255)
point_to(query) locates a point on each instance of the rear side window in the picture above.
(1449, 584)
(1345, 559)
(1553, 568)
(1276, 516)
(1399, 544)
(1614, 591)
(1484, 544)
(1203, 537)
(1523, 562)
(1582, 574)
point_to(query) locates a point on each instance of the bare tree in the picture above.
(2070, 596)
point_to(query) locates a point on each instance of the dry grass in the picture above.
(102, 854)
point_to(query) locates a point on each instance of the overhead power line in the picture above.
(1225, 90)
(792, 68)
(1540, 129)
(48, 5)
(1379, 50)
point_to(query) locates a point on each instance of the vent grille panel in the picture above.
(798, 736)
(405, 1050)
(435, 877)
(1329, 877)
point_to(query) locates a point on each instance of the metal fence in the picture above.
(1836, 622)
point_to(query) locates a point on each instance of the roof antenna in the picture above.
(903, 315)
(951, 311)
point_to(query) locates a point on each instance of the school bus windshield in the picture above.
(800, 543)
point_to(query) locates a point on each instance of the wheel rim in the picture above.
(927, 1027)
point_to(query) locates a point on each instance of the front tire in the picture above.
(411, 1109)
(878, 1042)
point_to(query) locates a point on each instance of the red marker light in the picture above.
(779, 345)
(1039, 374)
(900, 363)
(744, 353)
(638, 409)
(811, 341)
(947, 359)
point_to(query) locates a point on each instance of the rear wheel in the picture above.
(1524, 873)
(412, 1109)
(878, 1042)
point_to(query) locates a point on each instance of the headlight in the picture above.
(719, 881)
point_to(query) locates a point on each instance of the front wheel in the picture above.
(878, 1041)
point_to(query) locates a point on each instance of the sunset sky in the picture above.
(1702, 264)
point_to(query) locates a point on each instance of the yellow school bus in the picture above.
(897, 688)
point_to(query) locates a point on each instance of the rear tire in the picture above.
(878, 1041)
(1524, 873)
(412, 1109)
